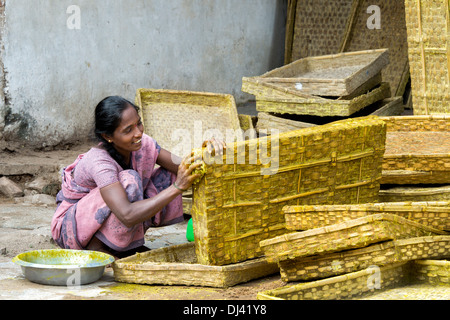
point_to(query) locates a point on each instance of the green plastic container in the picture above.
(190, 231)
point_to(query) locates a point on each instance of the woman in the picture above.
(112, 194)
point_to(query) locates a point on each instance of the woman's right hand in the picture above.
(185, 178)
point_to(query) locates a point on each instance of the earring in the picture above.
(109, 141)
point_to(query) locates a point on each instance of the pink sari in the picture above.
(82, 214)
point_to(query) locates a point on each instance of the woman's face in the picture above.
(127, 136)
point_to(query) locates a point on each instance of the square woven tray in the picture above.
(356, 233)
(329, 75)
(286, 102)
(238, 203)
(348, 286)
(182, 120)
(433, 214)
(267, 121)
(177, 265)
(417, 150)
(380, 254)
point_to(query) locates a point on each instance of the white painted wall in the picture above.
(54, 75)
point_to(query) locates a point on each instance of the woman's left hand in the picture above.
(214, 147)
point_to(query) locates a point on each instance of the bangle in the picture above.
(179, 187)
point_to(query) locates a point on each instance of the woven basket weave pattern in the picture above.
(347, 286)
(414, 193)
(319, 27)
(235, 206)
(320, 106)
(351, 234)
(309, 268)
(177, 265)
(428, 28)
(432, 271)
(165, 111)
(432, 214)
(330, 75)
(424, 154)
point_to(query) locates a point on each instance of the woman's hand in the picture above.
(214, 147)
(185, 178)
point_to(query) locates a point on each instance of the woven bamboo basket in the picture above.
(380, 254)
(434, 272)
(246, 122)
(356, 233)
(321, 27)
(268, 122)
(417, 193)
(182, 120)
(389, 107)
(187, 204)
(177, 265)
(238, 203)
(428, 28)
(319, 106)
(433, 214)
(348, 286)
(417, 150)
(330, 75)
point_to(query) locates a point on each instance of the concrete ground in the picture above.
(25, 227)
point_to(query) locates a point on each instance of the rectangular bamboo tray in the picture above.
(428, 26)
(348, 286)
(182, 120)
(356, 233)
(434, 214)
(417, 150)
(177, 265)
(238, 202)
(329, 75)
(319, 106)
(380, 254)
(434, 272)
(267, 121)
(415, 193)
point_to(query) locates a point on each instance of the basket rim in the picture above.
(412, 205)
(377, 53)
(381, 217)
(128, 264)
(187, 92)
(327, 281)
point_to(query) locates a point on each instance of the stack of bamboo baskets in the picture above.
(238, 202)
(322, 89)
(307, 202)
(337, 251)
(415, 167)
(417, 160)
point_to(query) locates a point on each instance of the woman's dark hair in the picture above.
(108, 114)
